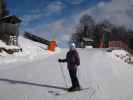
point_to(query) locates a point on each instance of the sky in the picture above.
(58, 18)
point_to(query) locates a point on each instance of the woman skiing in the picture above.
(72, 59)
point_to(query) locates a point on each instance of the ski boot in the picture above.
(74, 89)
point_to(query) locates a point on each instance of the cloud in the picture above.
(65, 37)
(61, 28)
(31, 17)
(55, 7)
(27, 19)
(75, 2)
(119, 12)
(36, 14)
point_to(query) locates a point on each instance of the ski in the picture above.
(59, 93)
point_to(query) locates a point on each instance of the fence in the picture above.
(121, 45)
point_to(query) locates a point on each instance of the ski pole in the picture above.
(78, 74)
(63, 75)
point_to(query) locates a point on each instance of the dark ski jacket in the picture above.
(72, 59)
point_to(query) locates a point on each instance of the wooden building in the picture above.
(9, 29)
(121, 45)
(86, 42)
(118, 44)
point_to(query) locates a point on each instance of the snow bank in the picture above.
(30, 51)
(7, 47)
(3, 45)
(123, 55)
(88, 47)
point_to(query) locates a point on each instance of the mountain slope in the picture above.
(110, 78)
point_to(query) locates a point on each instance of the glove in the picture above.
(59, 60)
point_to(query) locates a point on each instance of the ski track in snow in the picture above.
(108, 78)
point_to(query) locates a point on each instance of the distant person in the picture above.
(73, 61)
(106, 38)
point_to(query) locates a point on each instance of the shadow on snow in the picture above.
(31, 83)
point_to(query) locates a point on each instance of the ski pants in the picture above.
(73, 76)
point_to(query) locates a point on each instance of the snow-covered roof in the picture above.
(88, 39)
(10, 19)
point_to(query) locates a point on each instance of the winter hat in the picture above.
(72, 45)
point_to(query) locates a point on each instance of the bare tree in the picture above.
(84, 29)
(87, 28)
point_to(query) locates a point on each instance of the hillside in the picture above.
(108, 77)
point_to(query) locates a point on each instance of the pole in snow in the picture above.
(63, 75)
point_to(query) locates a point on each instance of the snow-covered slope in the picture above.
(30, 51)
(123, 55)
(109, 79)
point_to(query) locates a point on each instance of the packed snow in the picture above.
(123, 55)
(106, 77)
(30, 51)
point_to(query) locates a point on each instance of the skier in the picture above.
(72, 59)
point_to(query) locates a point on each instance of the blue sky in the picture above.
(36, 12)
(37, 15)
